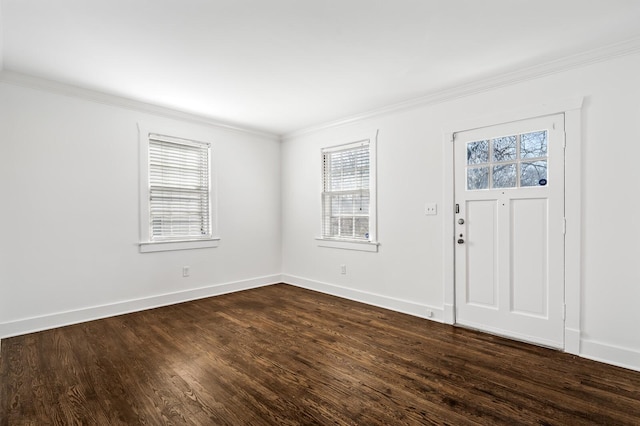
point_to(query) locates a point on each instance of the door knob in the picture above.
(460, 241)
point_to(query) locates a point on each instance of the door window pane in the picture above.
(477, 178)
(533, 173)
(533, 145)
(504, 149)
(478, 152)
(508, 161)
(504, 176)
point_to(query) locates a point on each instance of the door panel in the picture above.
(482, 283)
(529, 275)
(509, 185)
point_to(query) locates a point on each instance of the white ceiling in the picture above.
(283, 65)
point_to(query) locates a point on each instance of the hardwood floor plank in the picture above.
(281, 355)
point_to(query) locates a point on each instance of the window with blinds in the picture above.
(346, 192)
(179, 189)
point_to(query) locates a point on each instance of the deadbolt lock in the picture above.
(461, 221)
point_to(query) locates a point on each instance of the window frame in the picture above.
(146, 243)
(372, 244)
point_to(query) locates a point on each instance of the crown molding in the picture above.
(566, 63)
(555, 66)
(24, 80)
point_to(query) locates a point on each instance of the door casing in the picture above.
(518, 245)
(572, 110)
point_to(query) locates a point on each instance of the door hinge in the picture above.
(564, 226)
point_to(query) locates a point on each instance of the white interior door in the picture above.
(509, 192)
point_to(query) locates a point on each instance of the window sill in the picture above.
(152, 247)
(349, 245)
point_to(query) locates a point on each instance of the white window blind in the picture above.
(346, 192)
(179, 189)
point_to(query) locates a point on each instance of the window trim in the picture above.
(145, 244)
(351, 244)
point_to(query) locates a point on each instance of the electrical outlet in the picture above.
(185, 271)
(430, 209)
(343, 269)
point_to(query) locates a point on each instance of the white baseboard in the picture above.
(398, 305)
(609, 354)
(61, 319)
(597, 351)
(574, 344)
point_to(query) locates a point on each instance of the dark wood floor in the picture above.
(286, 356)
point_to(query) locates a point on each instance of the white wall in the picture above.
(407, 273)
(69, 184)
